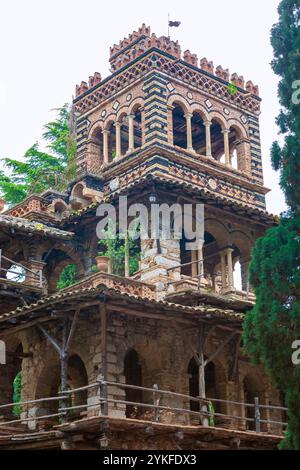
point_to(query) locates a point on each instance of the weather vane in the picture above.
(172, 24)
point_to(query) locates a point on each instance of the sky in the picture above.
(48, 46)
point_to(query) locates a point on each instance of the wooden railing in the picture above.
(26, 277)
(200, 277)
(101, 407)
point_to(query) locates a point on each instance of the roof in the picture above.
(207, 312)
(263, 215)
(38, 228)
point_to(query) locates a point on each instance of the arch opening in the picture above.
(179, 127)
(133, 376)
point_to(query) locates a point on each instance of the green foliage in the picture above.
(285, 40)
(67, 277)
(17, 387)
(114, 247)
(274, 323)
(41, 170)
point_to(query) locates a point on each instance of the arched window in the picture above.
(111, 142)
(124, 130)
(133, 376)
(237, 276)
(96, 145)
(137, 127)
(210, 382)
(179, 127)
(217, 141)
(198, 134)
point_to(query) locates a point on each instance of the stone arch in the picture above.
(133, 376)
(198, 130)
(239, 146)
(95, 146)
(218, 117)
(198, 108)
(57, 261)
(217, 128)
(49, 380)
(179, 100)
(14, 364)
(59, 208)
(253, 386)
(215, 377)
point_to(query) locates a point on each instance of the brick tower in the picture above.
(139, 354)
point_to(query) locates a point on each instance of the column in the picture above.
(223, 269)
(194, 269)
(225, 132)
(131, 132)
(105, 145)
(127, 265)
(189, 138)
(229, 267)
(208, 138)
(118, 139)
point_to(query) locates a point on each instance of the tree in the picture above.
(67, 277)
(40, 170)
(273, 325)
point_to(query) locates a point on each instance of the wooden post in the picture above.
(257, 414)
(64, 366)
(203, 407)
(104, 395)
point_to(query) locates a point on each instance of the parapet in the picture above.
(138, 42)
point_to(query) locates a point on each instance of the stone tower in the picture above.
(168, 121)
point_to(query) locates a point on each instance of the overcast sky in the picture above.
(48, 46)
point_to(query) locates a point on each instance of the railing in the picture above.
(26, 277)
(100, 406)
(201, 276)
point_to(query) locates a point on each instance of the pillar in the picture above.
(118, 139)
(131, 132)
(229, 267)
(189, 137)
(208, 138)
(105, 145)
(223, 269)
(225, 132)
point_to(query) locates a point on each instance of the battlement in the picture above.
(143, 32)
(138, 42)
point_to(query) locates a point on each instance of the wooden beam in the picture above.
(72, 329)
(52, 340)
(219, 348)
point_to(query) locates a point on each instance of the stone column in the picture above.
(189, 137)
(229, 252)
(105, 145)
(194, 258)
(118, 139)
(225, 132)
(223, 269)
(34, 277)
(208, 138)
(131, 132)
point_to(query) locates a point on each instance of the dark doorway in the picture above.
(133, 376)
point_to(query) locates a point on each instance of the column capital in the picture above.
(105, 132)
(117, 124)
(207, 122)
(188, 115)
(225, 131)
